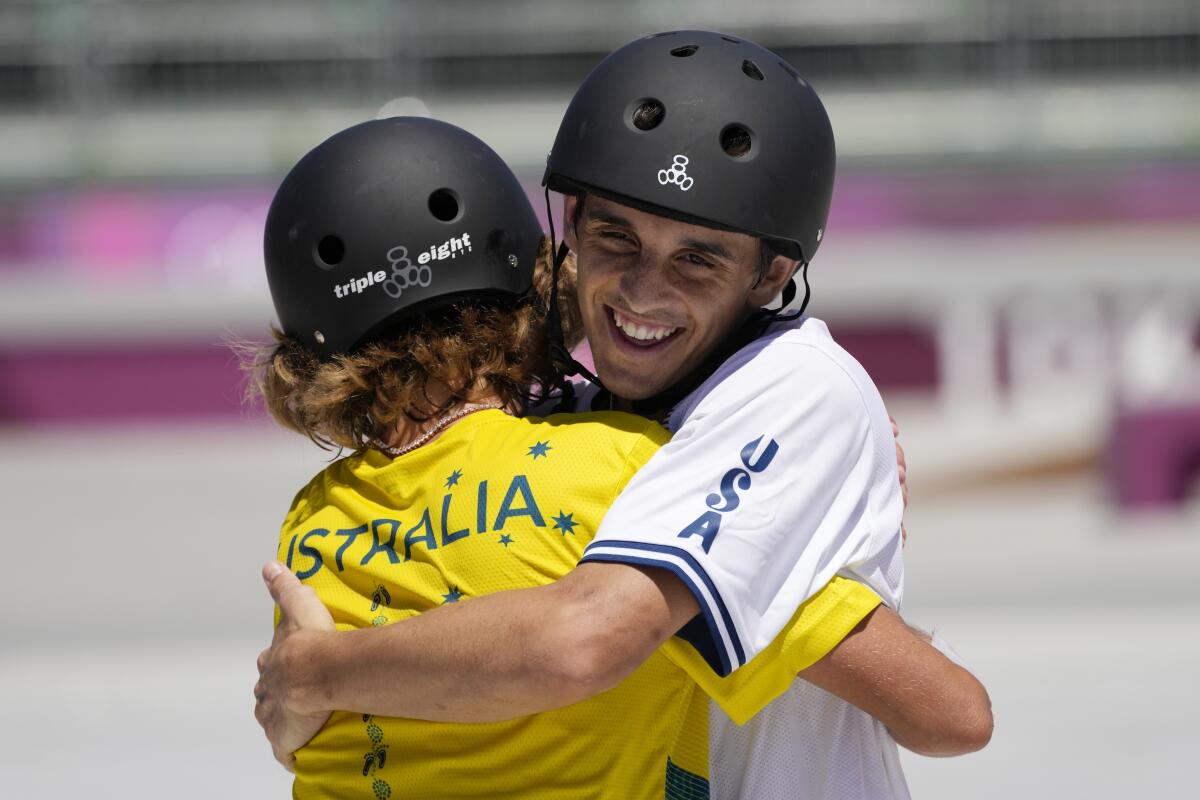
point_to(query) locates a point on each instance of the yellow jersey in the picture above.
(498, 503)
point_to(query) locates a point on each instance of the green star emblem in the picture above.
(565, 523)
(539, 450)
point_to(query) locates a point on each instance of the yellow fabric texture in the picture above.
(495, 503)
(815, 629)
(690, 750)
(500, 503)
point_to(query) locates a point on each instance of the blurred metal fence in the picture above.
(83, 55)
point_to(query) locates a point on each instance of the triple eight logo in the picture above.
(676, 173)
(404, 273)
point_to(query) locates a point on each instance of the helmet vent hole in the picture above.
(731, 39)
(443, 204)
(685, 51)
(331, 250)
(752, 71)
(648, 115)
(736, 141)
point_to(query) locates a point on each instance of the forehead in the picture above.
(645, 223)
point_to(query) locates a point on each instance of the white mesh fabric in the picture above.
(807, 745)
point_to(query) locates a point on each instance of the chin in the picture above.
(626, 386)
(641, 393)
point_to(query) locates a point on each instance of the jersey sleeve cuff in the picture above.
(816, 628)
(712, 632)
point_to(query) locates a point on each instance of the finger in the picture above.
(302, 608)
(275, 575)
(262, 707)
(895, 427)
(298, 604)
(903, 536)
(286, 759)
(262, 661)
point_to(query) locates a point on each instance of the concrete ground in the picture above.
(134, 613)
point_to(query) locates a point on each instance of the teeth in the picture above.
(640, 332)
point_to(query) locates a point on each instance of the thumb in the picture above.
(277, 577)
(297, 603)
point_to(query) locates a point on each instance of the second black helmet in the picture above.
(386, 218)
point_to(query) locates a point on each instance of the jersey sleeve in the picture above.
(762, 496)
(816, 628)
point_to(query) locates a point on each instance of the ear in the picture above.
(570, 202)
(771, 284)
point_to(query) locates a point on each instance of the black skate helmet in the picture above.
(388, 217)
(705, 128)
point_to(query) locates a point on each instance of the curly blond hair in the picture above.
(354, 400)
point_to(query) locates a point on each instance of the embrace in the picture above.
(677, 577)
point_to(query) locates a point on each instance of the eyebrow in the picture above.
(599, 215)
(711, 248)
(715, 250)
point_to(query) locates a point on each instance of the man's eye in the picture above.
(698, 260)
(615, 236)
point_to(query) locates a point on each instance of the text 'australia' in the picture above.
(393, 539)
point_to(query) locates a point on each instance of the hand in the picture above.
(301, 615)
(902, 466)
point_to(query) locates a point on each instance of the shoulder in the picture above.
(604, 434)
(794, 367)
(593, 434)
(594, 453)
(314, 495)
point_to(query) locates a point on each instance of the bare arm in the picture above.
(519, 652)
(930, 705)
(495, 657)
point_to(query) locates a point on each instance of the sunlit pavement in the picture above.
(1084, 626)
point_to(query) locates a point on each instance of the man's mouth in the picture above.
(640, 334)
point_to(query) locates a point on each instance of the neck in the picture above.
(408, 434)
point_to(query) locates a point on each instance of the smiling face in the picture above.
(658, 296)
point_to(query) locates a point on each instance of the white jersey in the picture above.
(781, 474)
(806, 745)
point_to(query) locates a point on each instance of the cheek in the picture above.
(710, 295)
(588, 292)
(586, 285)
(596, 276)
(719, 312)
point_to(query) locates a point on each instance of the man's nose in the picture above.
(644, 283)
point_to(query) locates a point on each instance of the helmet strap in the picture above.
(807, 290)
(558, 347)
(781, 314)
